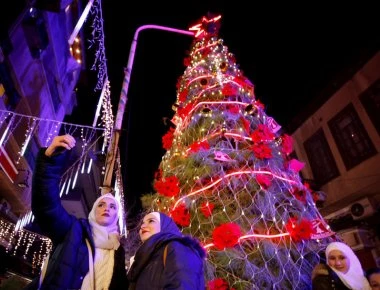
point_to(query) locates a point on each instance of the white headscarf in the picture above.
(354, 278)
(105, 237)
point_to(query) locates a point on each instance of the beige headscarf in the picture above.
(105, 237)
(106, 240)
(354, 278)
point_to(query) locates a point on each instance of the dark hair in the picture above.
(371, 271)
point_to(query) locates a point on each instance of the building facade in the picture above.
(42, 60)
(340, 144)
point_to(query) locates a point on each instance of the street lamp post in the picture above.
(112, 149)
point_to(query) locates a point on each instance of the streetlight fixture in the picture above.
(112, 150)
(23, 178)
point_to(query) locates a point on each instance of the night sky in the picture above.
(289, 53)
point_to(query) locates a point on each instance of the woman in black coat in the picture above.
(86, 252)
(166, 259)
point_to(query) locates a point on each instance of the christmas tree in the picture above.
(227, 177)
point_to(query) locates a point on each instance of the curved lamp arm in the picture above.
(112, 150)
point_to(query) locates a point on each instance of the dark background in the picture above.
(293, 55)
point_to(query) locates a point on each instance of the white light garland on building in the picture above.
(30, 246)
(14, 235)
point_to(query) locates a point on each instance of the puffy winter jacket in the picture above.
(183, 264)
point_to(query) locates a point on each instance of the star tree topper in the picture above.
(208, 26)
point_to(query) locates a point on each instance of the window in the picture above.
(370, 99)
(9, 94)
(320, 158)
(351, 137)
(52, 80)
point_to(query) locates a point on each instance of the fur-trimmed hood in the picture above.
(193, 243)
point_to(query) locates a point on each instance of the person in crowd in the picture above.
(166, 259)
(373, 276)
(87, 253)
(342, 271)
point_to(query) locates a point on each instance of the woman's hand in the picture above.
(60, 143)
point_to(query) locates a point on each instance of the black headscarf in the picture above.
(168, 225)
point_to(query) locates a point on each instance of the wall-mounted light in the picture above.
(22, 179)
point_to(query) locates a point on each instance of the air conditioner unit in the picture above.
(362, 208)
(357, 238)
(359, 209)
(338, 214)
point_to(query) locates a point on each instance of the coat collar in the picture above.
(154, 244)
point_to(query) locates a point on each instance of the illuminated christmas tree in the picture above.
(227, 177)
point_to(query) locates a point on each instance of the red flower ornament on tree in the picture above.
(262, 151)
(260, 105)
(196, 146)
(181, 215)
(287, 144)
(261, 134)
(207, 208)
(226, 235)
(233, 109)
(264, 180)
(168, 186)
(218, 284)
(299, 193)
(183, 95)
(186, 61)
(229, 90)
(299, 231)
(167, 139)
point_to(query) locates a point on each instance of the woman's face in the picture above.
(106, 211)
(339, 261)
(374, 281)
(150, 226)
